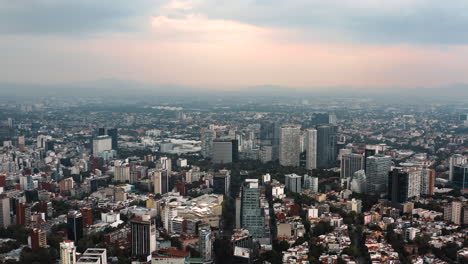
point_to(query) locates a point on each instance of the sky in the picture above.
(226, 44)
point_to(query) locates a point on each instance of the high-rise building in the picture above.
(252, 217)
(113, 133)
(93, 256)
(289, 146)
(460, 177)
(38, 239)
(207, 137)
(293, 183)
(21, 143)
(157, 175)
(225, 151)
(311, 149)
(222, 183)
(326, 146)
(205, 246)
(403, 185)
(143, 237)
(102, 144)
(74, 225)
(311, 183)
(5, 219)
(457, 207)
(358, 183)
(350, 163)
(87, 213)
(67, 252)
(427, 181)
(377, 168)
(23, 214)
(456, 160)
(122, 173)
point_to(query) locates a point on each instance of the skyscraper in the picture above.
(74, 225)
(222, 183)
(293, 183)
(350, 163)
(403, 185)
(427, 181)
(38, 239)
(358, 183)
(121, 173)
(326, 146)
(460, 177)
(377, 168)
(207, 137)
(456, 160)
(289, 147)
(205, 246)
(225, 151)
(5, 219)
(311, 149)
(102, 144)
(67, 252)
(143, 237)
(252, 217)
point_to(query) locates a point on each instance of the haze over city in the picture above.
(229, 45)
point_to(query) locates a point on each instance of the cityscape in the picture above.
(233, 132)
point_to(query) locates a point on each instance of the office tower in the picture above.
(403, 185)
(311, 149)
(41, 141)
(252, 214)
(460, 177)
(5, 219)
(23, 214)
(67, 252)
(293, 183)
(166, 164)
(93, 256)
(205, 246)
(21, 143)
(87, 216)
(238, 204)
(311, 183)
(332, 119)
(457, 207)
(102, 144)
(143, 236)
(350, 163)
(398, 186)
(38, 239)
(266, 154)
(289, 146)
(74, 225)
(377, 168)
(276, 139)
(113, 133)
(456, 160)
(207, 137)
(222, 183)
(267, 133)
(427, 181)
(358, 182)
(157, 175)
(225, 151)
(122, 173)
(326, 146)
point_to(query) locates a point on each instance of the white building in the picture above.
(67, 252)
(293, 183)
(102, 144)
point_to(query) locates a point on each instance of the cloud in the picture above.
(73, 17)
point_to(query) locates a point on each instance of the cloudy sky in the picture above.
(236, 43)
